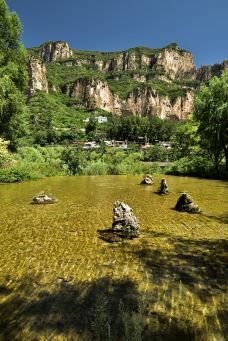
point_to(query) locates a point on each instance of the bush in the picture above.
(152, 168)
(43, 161)
(197, 166)
(75, 160)
(125, 168)
(156, 154)
(15, 174)
(98, 167)
(33, 163)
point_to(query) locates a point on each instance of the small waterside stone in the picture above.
(186, 204)
(43, 198)
(148, 180)
(124, 220)
(163, 187)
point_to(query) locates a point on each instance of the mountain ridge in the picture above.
(138, 81)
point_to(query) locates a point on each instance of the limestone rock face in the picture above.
(177, 65)
(53, 51)
(94, 94)
(143, 65)
(124, 219)
(37, 76)
(145, 101)
(205, 73)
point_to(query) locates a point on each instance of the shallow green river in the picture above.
(53, 264)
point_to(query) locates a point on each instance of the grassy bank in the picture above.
(32, 163)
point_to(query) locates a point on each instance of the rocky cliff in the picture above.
(141, 101)
(205, 73)
(50, 52)
(139, 81)
(171, 61)
(37, 76)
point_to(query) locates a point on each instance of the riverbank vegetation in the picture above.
(44, 135)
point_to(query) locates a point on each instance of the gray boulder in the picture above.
(163, 187)
(124, 220)
(186, 204)
(43, 199)
(148, 180)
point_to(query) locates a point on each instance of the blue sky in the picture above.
(200, 26)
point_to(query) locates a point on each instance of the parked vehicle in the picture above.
(90, 145)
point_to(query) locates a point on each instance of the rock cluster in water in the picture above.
(148, 180)
(163, 187)
(43, 198)
(186, 204)
(124, 220)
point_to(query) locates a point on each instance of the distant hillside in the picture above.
(138, 81)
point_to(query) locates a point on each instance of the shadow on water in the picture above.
(194, 268)
(100, 310)
(191, 261)
(186, 276)
(220, 218)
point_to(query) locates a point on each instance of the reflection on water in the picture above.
(53, 264)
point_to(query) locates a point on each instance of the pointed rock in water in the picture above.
(186, 204)
(124, 220)
(43, 198)
(148, 180)
(163, 187)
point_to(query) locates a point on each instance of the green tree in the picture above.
(75, 160)
(132, 128)
(156, 153)
(42, 109)
(91, 128)
(185, 141)
(13, 77)
(211, 112)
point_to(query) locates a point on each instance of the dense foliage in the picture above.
(37, 162)
(211, 112)
(132, 128)
(13, 77)
(47, 130)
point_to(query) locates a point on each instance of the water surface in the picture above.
(178, 265)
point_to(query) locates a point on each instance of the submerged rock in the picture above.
(148, 180)
(110, 236)
(124, 220)
(163, 187)
(186, 204)
(43, 198)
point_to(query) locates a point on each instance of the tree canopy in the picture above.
(211, 112)
(13, 77)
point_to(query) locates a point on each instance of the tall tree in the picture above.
(42, 109)
(13, 77)
(185, 141)
(211, 112)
